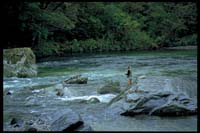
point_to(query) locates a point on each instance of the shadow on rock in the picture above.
(162, 104)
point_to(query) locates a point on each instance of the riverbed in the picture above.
(174, 70)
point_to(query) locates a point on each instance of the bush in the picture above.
(75, 46)
(188, 40)
(137, 40)
(45, 49)
(91, 45)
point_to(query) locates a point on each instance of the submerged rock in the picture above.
(8, 93)
(110, 87)
(16, 123)
(55, 90)
(13, 121)
(19, 62)
(93, 100)
(59, 89)
(60, 93)
(76, 80)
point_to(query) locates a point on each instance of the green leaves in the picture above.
(58, 20)
(100, 26)
(187, 40)
(47, 48)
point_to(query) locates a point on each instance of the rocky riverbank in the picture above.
(42, 115)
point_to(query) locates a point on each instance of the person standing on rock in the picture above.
(129, 76)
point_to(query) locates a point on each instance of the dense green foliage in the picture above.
(57, 28)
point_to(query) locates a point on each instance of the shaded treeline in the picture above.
(57, 28)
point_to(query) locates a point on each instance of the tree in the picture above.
(58, 27)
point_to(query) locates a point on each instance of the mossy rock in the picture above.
(19, 62)
(14, 55)
(27, 71)
(110, 87)
(9, 70)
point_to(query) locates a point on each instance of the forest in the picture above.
(60, 28)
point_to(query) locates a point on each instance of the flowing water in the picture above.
(167, 70)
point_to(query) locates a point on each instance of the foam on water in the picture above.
(36, 90)
(7, 86)
(15, 81)
(168, 85)
(33, 111)
(102, 98)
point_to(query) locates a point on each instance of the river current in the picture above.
(163, 70)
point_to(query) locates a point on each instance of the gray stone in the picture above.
(63, 119)
(133, 97)
(110, 87)
(162, 103)
(173, 109)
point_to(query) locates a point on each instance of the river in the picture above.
(174, 70)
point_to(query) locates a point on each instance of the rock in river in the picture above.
(65, 120)
(76, 80)
(110, 87)
(47, 119)
(19, 62)
(162, 104)
(93, 100)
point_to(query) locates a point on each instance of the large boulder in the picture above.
(110, 87)
(178, 105)
(135, 101)
(163, 103)
(19, 62)
(65, 120)
(173, 109)
(187, 84)
(54, 119)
